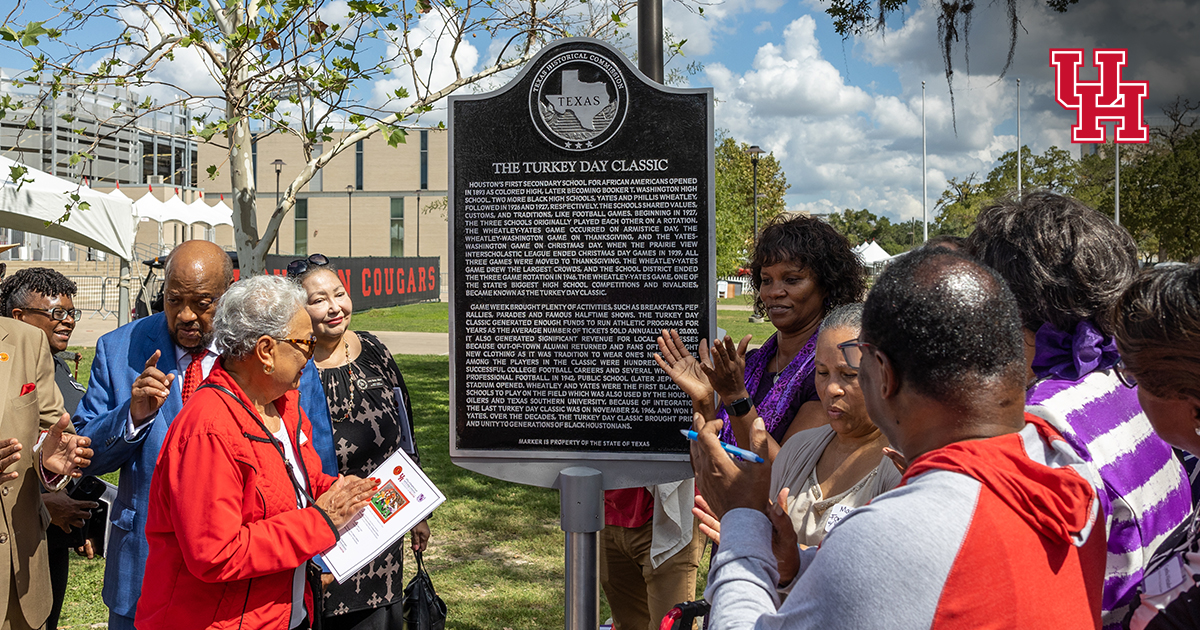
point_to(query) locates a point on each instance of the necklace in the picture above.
(358, 382)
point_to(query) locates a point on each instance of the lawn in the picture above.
(424, 317)
(496, 554)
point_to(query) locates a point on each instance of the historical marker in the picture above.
(582, 207)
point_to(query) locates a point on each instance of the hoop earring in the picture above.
(268, 369)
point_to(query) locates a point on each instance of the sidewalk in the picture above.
(89, 330)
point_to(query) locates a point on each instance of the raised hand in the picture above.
(682, 367)
(65, 453)
(727, 484)
(725, 367)
(10, 454)
(343, 500)
(150, 391)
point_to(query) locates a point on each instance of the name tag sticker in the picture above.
(376, 383)
(1167, 577)
(836, 514)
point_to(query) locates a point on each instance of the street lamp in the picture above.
(278, 164)
(754, 152)
(350, 217)
(418, 223)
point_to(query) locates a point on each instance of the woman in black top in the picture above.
(360, 379)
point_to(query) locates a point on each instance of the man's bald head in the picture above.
(202, 256)
(948, 324)
(196, 275)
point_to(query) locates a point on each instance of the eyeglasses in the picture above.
(304, 345)
(299, 266)
(1123, 373)
(852, 352)
(58, 314)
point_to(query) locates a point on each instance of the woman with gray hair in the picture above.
(238, 503)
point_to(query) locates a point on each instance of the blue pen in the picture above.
(729, 448)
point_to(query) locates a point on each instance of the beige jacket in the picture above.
(25, 359)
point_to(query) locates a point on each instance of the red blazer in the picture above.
(224, 532)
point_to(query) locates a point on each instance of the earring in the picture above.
(268, 369)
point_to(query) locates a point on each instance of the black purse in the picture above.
(423, 609)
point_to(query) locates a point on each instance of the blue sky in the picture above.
(844, 116)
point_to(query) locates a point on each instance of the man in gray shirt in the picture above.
(996, 521)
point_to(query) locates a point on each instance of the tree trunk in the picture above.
(241, 172)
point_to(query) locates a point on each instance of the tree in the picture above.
(1160, 198)
(735, 200)
(958, 206)
(863, 226)
(287, 66)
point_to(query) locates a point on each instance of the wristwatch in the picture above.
(740, 407)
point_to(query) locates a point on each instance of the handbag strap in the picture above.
(301, 493)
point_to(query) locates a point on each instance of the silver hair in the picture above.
(844, 316)
(253, 307)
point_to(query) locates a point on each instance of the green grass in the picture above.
(745, 299)
(496, 552)
(424, 317)
(736, 325)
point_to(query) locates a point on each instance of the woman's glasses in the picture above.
(59, 314)
(1123, 373)
(304, 345)
(301, 265)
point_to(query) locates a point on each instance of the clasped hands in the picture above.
(721, 370)
(63, 453)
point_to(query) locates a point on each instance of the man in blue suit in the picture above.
(142, 375)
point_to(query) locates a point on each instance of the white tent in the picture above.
(211, 216)
(37, 205)
(149, 207)
(872, 254)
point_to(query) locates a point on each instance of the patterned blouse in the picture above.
(366, 431)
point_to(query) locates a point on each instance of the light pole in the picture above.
(350, 217)
(754, 152)
(418, 223)
(924, 172)
(278, 164)
(1020, 158)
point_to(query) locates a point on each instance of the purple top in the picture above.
(1145, 493)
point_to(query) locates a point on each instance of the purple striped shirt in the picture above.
(1145, 494)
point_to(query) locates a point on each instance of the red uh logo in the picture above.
(1110, 98)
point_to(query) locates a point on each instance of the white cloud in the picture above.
(432, 71)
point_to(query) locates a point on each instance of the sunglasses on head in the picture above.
(300, 266)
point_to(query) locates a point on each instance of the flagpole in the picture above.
(924, 171)
(1019, 155)
(1117, 146)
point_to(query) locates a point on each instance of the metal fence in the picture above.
(96, 295)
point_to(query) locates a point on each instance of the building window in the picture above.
(301, 247)
(397, 226)
(424, 159)
(358, 165)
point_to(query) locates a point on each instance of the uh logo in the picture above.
(1108, 99)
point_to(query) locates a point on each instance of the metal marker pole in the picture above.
(650, 39)
(581, 502)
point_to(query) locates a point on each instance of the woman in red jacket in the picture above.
(238, 503)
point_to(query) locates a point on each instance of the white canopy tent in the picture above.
(107, 224)
(36, 207)
(871, 253)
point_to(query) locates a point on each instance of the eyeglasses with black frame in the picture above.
(1127, 378)
(301, 265)
(852, 352)
(306, 346)
(58, 314)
